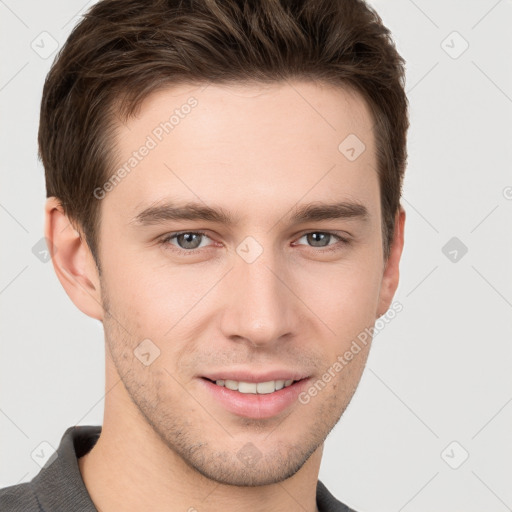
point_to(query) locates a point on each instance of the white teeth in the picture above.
(260, 388)
(265, 387)
(247, 387)
(230, 384)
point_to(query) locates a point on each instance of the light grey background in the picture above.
(438, 373)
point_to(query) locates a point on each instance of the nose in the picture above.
(261, 309)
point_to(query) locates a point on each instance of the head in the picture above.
(224, 183)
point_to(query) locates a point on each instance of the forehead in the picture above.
(246, 146)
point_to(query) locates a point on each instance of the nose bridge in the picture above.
(259, 307)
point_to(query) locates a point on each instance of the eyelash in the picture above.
(189, 252)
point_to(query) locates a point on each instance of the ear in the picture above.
(72, 260)
(391, 274)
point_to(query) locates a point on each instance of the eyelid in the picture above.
(165, 240)
(341, 235)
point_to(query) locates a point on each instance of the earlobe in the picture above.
(391, 274)
(72, 260)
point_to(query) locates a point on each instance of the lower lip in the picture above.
(251, 405)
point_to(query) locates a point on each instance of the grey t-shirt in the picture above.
(59, 487)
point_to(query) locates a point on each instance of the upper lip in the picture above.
(248, 376)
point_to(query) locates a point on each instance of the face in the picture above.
(248, 288)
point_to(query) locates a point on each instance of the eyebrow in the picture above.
(161, 213)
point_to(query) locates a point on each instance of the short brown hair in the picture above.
(122, 50)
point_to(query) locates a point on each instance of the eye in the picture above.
(187, 241)
(321, 239)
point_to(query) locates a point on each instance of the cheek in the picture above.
(156, 299)
(344, 296)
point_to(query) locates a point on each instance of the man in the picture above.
(223, 182)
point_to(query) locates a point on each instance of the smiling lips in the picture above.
(262, 397)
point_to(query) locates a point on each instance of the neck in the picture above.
(130, 468)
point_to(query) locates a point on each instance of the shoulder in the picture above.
(326, 502)
(59, 484)
(19, 498)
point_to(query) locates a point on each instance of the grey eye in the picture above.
(319, 238)
(189, 240)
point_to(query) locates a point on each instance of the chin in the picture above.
(248, 467)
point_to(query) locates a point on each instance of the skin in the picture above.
(258, 151)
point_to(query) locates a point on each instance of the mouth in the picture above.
(254, 388)
(260, 399)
